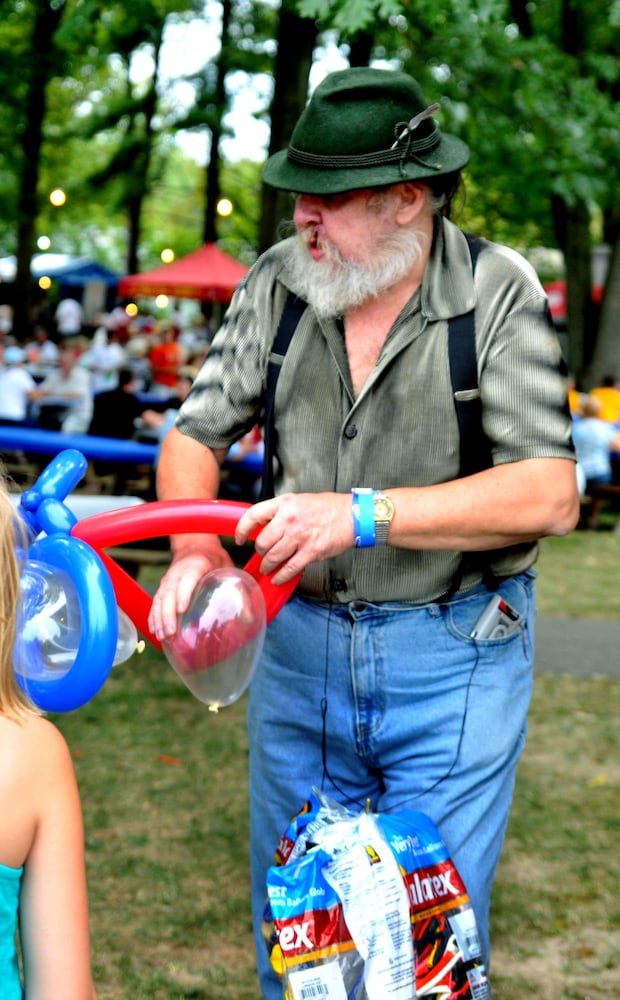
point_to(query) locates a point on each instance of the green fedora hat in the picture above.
(364, 127)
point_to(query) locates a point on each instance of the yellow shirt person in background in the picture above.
(609, 395)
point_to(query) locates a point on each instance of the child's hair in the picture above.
(13, 702)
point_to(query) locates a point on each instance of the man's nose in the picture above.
(307, 209)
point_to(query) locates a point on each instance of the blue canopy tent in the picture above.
(78, 277)
(74, 272)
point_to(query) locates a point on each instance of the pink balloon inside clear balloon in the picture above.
(219, 639)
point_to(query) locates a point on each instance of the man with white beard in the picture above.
(381, 679)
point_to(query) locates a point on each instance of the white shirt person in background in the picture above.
(17, 386)
(104, 360)
(69, 387)
(69, 316)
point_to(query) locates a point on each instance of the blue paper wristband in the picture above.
(363, 508)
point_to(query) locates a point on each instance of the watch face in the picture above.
(384, 509)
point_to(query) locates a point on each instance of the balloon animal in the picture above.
(81, 610)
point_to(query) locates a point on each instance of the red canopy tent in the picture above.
(556, 293)
(207, 274)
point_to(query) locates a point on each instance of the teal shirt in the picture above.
(10, 885)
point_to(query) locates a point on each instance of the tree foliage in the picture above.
(531, 86)
(105, 133)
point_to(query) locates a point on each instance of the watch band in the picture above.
(363, 517)
(384, 513)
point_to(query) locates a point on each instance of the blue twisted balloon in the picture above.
(68, 601)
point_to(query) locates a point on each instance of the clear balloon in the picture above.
(219, 639)
(168, 517)
(50, 625)
(127, 643)
(48, 633)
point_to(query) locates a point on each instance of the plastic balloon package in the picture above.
(370, 906)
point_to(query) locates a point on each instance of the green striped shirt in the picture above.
(402, 428)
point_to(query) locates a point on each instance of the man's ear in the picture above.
(413, 199)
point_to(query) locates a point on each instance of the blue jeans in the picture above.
(397, 704)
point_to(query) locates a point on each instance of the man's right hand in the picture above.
(178, 584)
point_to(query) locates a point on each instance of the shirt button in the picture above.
(350, 432)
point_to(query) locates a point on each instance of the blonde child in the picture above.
(42, 872)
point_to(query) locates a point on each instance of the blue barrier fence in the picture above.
(35, 440)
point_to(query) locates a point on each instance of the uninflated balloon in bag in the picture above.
(370, 907)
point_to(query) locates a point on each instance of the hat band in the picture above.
(396, 154)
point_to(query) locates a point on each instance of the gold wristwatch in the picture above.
(384, 514)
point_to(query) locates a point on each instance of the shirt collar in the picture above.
(448, 283)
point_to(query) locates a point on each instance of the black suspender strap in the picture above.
(291, 314)
(475, 447)
(475, 452)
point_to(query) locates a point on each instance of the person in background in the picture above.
(114, 416)
(41, 352)
(69, 317)
(6, 319)
(609, 395)
(595, 440)
(104, 359)
(575, 397)
(193, 338)
(374, 684)
(241, 483)
(67, 390)
(137, 358)
(162, 421)
(119, 321)
(43, 890)
(115, 412)
(17, 387)
(166, 358)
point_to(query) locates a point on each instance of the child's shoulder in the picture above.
(32, 745)
(36, 774)
(30, 727)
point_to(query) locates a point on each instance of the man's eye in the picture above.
(335, 200)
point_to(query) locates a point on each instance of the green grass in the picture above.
(556, 912)
(580, 575)
(163, 783)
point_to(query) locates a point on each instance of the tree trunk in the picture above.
(360, 49)
(574, 228)
(138, 182)
(48, 18)
(212, 176)
(521, 13)
(572, 225)
(606, 358)
(296, 40)
(134, 210)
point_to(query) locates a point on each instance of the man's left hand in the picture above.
(299, 529)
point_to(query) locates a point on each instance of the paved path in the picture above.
(577, 646)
